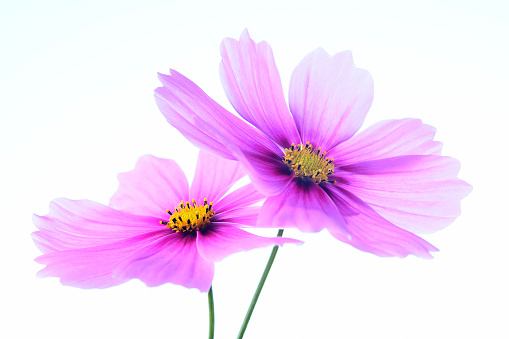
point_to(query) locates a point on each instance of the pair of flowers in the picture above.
(372, 190)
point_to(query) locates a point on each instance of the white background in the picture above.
(77, 107)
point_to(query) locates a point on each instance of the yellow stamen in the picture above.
(189, 217)
(307, 163)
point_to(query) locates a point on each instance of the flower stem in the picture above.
(211, 314)
(259, 288)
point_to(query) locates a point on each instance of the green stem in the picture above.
(211, 314)
(259, 288)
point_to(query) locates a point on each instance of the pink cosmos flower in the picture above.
(156, 228)
(372, 190)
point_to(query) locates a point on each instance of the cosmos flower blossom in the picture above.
(373, 190)
(156, 228)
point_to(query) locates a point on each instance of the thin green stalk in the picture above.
(259, 288)
(211, 314)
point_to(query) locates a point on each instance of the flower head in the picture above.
(156, 229)
(372, 190)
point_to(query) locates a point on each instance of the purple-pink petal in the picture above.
(236, 207)
(419, 193)
(245, 216)
(180, 98)
(252, 84)
(303, 205)
(194, 129)
(222, 240)
(244, 196)
(153, 186)
(386, 139)
(92, 267)
(268, 172)
(329, 98)
(370, 232)
(214, 176)
(170, 259)
(73, 224)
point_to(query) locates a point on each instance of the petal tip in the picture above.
(245, 35)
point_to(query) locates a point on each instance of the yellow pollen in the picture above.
(309, 164)
(189, 217)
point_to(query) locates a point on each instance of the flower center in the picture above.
(309, 164)
(189, 217)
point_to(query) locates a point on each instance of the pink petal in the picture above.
(329, 98)
(214, 176)
(244, 196)
(235, 207)
(192, 128)
(369, 232)
(222, 240)
(304, 205)
(253, 86)
(171, 259)
(154, 186)
(181, 99)
(92, 267)
(269, 174)
(246, 216)
(73, 224)
(418, 193)
(385, 139)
